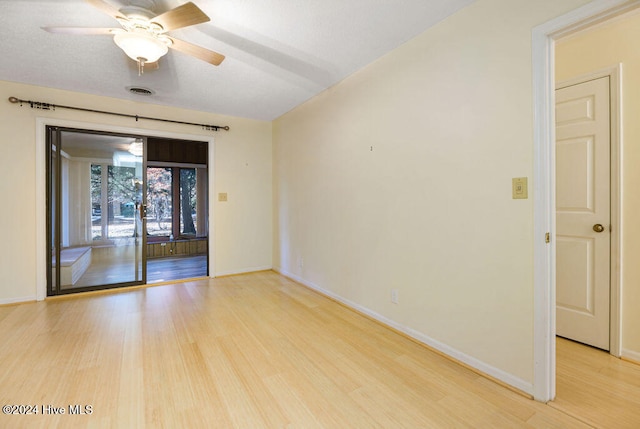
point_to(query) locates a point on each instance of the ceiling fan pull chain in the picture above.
(140, 66)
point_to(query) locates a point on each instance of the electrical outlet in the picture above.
(394, 296)
(300, 262)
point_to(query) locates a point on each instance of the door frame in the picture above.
(614, 73)
(543, 68)
(41, 124)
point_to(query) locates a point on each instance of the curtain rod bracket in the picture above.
(47, 106)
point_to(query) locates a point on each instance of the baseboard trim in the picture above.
(630, 356)
(14, 301)
(476, 365)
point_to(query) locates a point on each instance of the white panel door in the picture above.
(583, 212)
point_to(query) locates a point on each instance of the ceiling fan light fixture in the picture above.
(140, 46)
(136, 147)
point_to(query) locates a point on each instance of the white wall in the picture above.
(243, 156)
(428, 211)
(608, 45)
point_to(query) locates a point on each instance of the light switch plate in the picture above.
(222, 196)
(519, 188)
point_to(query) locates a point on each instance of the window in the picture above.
(188, 183)
(159, 201)
(173, 202)
(114, 196)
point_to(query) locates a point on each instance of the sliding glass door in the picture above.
(95, 210)
(98, 185)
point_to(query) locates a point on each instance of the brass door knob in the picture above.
(598, 227)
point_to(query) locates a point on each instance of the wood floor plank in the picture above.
(475, 412)
(595, 387)
(545, 420)
(260, 351)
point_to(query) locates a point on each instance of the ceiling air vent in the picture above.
(138, 90)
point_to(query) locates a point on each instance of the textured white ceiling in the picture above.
(279, 53)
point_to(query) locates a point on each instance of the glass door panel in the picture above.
(97, 212)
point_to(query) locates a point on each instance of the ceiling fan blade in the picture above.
(106, 8)
(180, 17)
(197, 52)
(86, 31)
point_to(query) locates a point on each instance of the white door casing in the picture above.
(583, 212)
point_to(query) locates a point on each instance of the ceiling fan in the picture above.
(143, 34)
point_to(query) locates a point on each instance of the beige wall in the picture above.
(608, 45)
(243, 156)
(428, 211)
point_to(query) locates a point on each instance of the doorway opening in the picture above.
(102, 188)
(177, 228)
(589, 335)
(543, 41)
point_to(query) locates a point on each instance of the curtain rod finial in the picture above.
(13, 100)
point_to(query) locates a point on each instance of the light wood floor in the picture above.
(250, 351)
(595, 387)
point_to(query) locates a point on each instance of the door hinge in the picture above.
(547, 238)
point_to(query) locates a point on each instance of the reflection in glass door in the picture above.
(95, 210)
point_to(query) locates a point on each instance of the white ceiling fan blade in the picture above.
(203, 54)
(180, 17)
(84, 31)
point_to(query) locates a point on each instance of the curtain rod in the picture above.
(48, 106)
